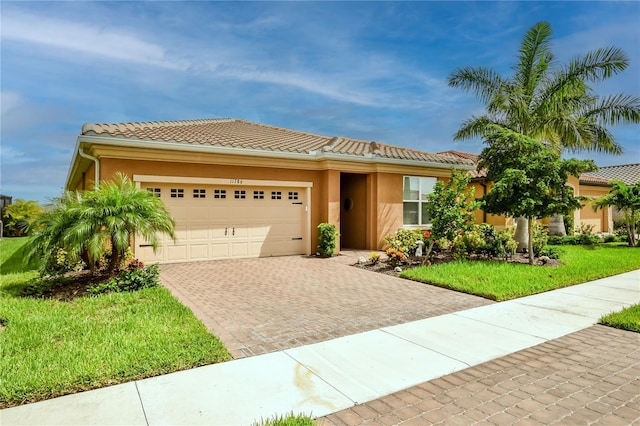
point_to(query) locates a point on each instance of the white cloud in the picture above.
(111, 43)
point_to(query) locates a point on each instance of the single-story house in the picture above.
(243, 189)
(627, 173)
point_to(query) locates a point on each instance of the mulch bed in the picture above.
(75, 288)
(413, 262)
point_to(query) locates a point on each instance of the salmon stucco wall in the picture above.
(109, 167)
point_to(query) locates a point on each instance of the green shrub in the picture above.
(327, 239)
(132, 279)
(588, 239)
(540, 237)
(568, 223)
(551, 252)
(374, 258)
(405, 240)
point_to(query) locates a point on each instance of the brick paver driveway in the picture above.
(264, 305)
(588, 377)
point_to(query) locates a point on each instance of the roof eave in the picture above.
(309, 156)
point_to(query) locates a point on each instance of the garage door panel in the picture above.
(199, 251)
(240, 249)
(219, 250)
(199, 232)
(176, 253)
(219, 228)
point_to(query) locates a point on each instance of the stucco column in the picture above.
(332, 185)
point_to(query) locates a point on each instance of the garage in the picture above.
(229, 218)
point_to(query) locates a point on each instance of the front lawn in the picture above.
(50, 348)
(504, 281)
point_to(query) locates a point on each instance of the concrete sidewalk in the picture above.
(330, 376)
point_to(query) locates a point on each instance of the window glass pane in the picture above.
(426, 219)
(410, 213)
(411, 190)
(426, 187)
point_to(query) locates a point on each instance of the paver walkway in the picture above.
(257, 306)
(588, 377)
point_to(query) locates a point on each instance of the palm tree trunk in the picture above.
(556, 225)
(522, 235)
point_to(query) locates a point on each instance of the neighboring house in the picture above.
(243, 189)
(592, 185)
(5, 200)
(627, 173)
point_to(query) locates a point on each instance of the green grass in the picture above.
(504, 281)
(287, 420)
(627, 319)
(50, 348)
(12, 256)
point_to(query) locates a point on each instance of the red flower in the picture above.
(427, 234)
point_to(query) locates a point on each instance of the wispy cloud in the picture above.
(110, 43)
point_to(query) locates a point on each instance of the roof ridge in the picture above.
(619, 165)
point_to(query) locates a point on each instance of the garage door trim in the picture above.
(218, 181)
(139, 179)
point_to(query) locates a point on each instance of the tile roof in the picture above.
(469, 156)
(234, 133)
(627, 173)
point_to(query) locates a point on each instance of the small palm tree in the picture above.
(87, 224)
(627, 199)
(551, 103)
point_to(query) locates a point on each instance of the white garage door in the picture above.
(221, 222)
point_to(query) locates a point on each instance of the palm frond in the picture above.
(616, 109)
(484, 82)
(535, 57)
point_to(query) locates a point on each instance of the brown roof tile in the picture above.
(235, 133)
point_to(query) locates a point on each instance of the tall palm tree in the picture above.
(550, 102)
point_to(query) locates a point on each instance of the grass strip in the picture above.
(626, 319)
(503, 281)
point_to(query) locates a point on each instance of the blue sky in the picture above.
(372, 71)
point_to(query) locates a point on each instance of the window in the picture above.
(293, 195)
(154, 191)
(414, 200)
(219, 193)
(240, 195)
(276, 195)
(258, 195)
(177, 193)
(199, 193)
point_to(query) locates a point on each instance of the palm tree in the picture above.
(88, 224)
(548, 102)
(627, 199)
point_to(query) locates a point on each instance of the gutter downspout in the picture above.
(96, 162)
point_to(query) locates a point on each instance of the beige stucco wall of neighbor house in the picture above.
(602, 219)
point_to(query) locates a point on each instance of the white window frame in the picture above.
(425, 187)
